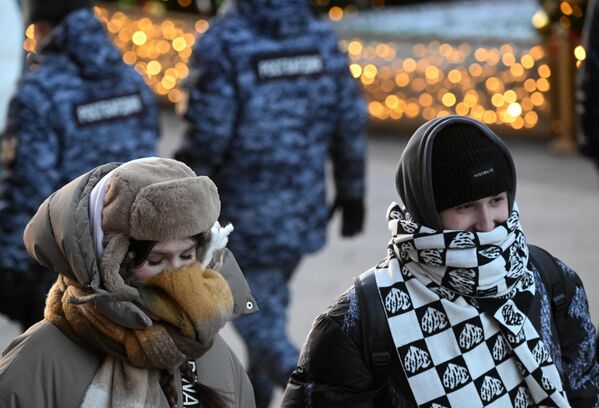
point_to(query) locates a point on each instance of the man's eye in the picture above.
(464, 207)
(498, 199)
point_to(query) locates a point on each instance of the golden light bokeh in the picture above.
(540, 19)
(499, 85)
(139, 38)
(354, 48)
(580, 53)
(335, 13)
(153, 67)
(503, 84)
(201, 26)
(566, 8)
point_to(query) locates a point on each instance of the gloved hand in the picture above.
(352, 216)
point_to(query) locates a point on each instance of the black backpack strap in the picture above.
(553, 279)
(375, 330)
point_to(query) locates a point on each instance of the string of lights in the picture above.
(504, 84)
(497, 85)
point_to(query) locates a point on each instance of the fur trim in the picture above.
(115, 251)
(174, 209)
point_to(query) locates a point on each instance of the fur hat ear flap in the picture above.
(114, 301)
(115, 251)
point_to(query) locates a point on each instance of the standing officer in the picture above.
(271, 98)
(77, 105)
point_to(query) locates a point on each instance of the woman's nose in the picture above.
(176, 263)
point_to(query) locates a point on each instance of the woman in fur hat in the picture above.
(460, 312)
(144, 285)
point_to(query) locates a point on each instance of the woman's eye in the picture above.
(186, 257)
(154, 262)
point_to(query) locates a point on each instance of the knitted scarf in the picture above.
(456, 304)
(188, 306)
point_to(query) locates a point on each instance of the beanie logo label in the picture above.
(482, 174)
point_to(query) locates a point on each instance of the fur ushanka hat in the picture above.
(149, 199)
(152, 199)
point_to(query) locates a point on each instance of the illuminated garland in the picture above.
(499, 85)
(505, 85)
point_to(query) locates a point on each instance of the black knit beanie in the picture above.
(467, 166)
(52, 11)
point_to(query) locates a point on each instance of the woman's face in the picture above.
(167, 254)
(478, 216)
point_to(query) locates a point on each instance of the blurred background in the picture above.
(510, 64)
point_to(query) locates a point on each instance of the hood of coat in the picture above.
(413, 178)
(59, 237)
(277, 18)
(82, 37)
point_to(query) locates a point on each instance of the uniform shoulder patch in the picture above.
(93, 112)
(8, 149)
(288, 64)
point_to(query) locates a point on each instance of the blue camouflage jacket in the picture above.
(270, 99)
(77, 106)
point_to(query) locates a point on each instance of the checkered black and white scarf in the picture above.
(456, 304)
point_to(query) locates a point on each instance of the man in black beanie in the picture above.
(462, 312)
(77, 105)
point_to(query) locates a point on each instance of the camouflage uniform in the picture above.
(271, 98)
(76, 107)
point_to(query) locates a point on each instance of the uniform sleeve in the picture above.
(29, 174)
(331, 371)
(211, 106)
(348, 147)
(578, 347)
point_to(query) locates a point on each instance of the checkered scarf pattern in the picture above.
(456, 304)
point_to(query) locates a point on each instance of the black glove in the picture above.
(352, 217)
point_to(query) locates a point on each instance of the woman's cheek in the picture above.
(146, 271)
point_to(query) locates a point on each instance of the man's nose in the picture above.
(485, 221)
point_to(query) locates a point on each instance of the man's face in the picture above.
(478, 216)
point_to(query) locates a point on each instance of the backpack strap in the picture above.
(553, 279)
(375, 330)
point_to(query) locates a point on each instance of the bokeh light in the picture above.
(501, 84)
